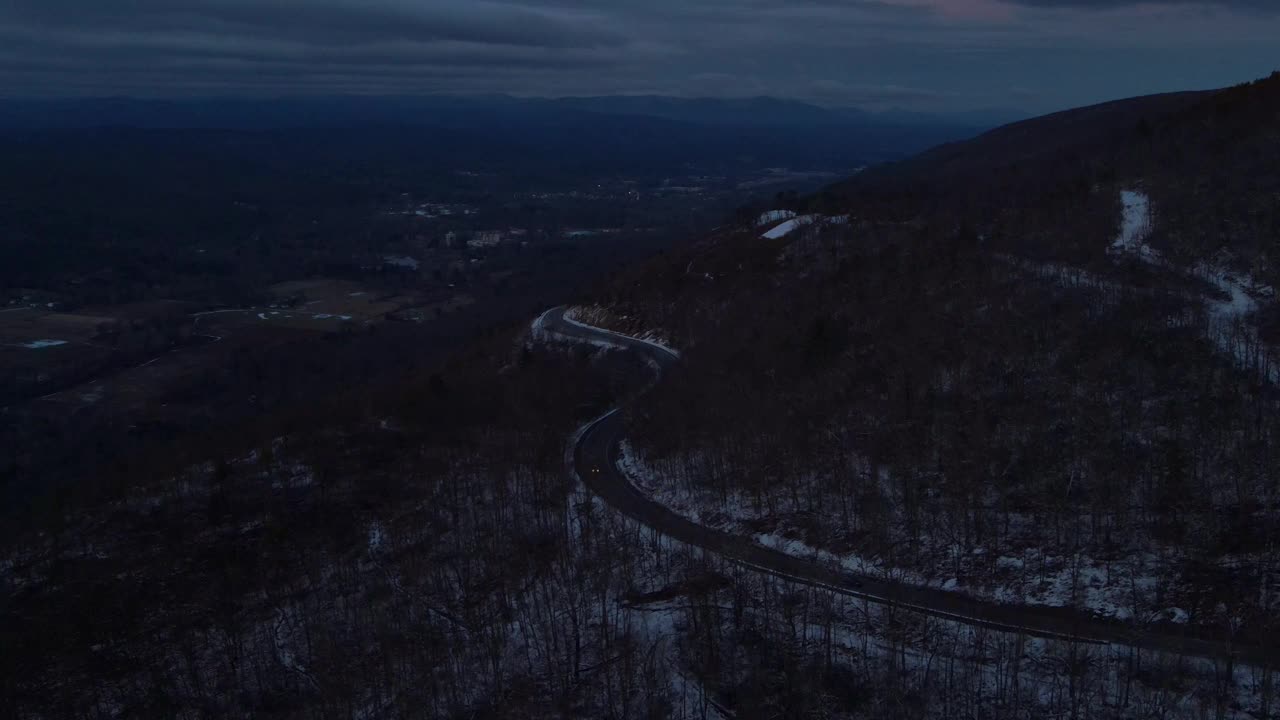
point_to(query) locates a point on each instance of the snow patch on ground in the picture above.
(1120, 589)
(853, 563)
(404, 262)
(789, 227)
(731, 514)
(713, 512)
(1135, 227)
(773, 216)
(1081, 581)
(293, 475)
(1231, 328)
(377, 538)
(1241, 292)
(648, 337)
(802, 221)
(40, 344)
(1230, 332)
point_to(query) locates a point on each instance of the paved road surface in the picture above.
(595, 460)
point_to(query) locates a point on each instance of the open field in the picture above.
(339, 299)
(84, 363)
(212, 339)
(319, 305)
(41, 348)
(137, 387)
(433, 310)
(36, 329)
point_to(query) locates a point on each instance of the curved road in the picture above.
(595, 461)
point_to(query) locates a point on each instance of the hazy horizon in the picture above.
(1034, 56)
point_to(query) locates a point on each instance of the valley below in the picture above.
(591, 414)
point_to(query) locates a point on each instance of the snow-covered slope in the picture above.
(784, 229)
(1135, 226)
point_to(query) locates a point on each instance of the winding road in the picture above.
(595, 461)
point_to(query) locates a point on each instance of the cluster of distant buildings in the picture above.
(436, 210)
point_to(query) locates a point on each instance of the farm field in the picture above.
(318, 305)
(39, 329)
(42, 350)
(160, 359)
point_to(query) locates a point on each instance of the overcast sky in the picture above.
(1034, 55)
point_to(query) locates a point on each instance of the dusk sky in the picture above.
(936, 55)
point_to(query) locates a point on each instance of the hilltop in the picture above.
(1032, 367)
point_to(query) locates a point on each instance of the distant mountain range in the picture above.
(465, 111)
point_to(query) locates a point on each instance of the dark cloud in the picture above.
(1267, 6)
(323, 21)
(930, 54)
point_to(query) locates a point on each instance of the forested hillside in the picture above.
(1035, 369)
(407, 555)
(420, 552)
(1036, 377)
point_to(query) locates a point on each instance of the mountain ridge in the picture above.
(321, 111)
